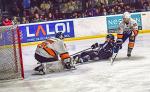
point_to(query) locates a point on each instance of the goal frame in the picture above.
(17, 48)
(20, 52)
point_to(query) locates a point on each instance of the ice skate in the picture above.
(40, 69)
(129, 52)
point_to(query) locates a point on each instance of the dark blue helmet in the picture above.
(59, 35)
(111, 36)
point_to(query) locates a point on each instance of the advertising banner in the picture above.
(114, 21)
(38, 32)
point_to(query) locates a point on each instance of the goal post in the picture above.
(11, 62)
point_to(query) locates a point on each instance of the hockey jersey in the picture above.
(52, 48)
(107, 46)
(124, 27)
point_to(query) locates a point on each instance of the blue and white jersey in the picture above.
(127, 27)
(107, 46)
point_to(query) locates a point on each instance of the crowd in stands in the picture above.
(31, 11)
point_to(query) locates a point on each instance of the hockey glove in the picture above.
(134, 32)
(119, 43)
(68, 63)
(94, 46)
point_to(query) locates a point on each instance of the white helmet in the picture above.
(126, 15)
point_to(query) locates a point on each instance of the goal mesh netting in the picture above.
(11, 66)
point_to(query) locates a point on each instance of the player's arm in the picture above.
(65, 57)
(134, 28)
(120, 34)
(120, 31)
(119, 40)
(62, 50)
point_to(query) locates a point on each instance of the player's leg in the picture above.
(82, 57)
(118, 45)
(90, 55)
(41, 60)
(130, 45)
(105, 54)
(132, 42)
(86, 56)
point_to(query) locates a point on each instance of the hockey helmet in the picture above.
(59, 35)
(126, 15)
(110, 36)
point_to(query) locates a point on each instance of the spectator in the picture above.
(26, 4)
(50, 16)
(96, 12)
(62, 9)
(146, 7)
(34, 3)
(89, 13)
(37, 18)
(24, 20)
(120, 11)
(57, 15)
(6, 22)
(42, 17)
(89, 4)
(78, 5)
(104, 12)
(127, 8)
(112, 11)
(34, 10)
(98, 3)
(15, 21)
(122, 6)
(15, 9)
(75, 15)
(45, 6)
(80, 15)
(71, 6)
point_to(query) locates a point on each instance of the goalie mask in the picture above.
(59, 35)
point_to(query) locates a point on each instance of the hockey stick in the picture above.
(80, 51)
(114, 59)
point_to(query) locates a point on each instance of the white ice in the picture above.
(125, 75)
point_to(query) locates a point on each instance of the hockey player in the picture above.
(128, 28)
(98, 52)
(50, 50)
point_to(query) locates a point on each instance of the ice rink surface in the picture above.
(125, 75)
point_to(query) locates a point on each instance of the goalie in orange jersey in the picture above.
(50, 50)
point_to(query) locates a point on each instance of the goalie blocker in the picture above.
(48, 53)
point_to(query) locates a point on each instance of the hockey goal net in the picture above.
(11, 66)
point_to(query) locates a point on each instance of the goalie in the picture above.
(51, 50)
(98, 51)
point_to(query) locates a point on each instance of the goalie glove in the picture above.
(66, 60)
(68, 63)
